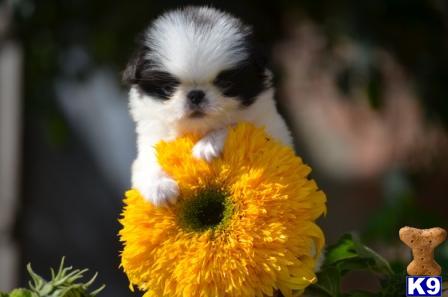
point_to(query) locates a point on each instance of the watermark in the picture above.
(423, 286)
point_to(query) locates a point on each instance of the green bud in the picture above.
(21, 293)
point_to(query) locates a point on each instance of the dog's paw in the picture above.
(160, 191)
(210, 146)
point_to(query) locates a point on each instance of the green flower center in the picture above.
(209, 209)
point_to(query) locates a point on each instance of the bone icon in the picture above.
(422, 243)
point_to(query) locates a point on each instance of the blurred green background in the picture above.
(363, 85)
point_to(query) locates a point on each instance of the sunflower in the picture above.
(243, 226)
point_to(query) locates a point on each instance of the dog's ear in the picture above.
(131, 72)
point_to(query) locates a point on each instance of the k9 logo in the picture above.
(423, 286)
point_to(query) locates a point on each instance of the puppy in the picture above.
(195, 70)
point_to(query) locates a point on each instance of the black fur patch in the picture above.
(158, 84)
(245, 82)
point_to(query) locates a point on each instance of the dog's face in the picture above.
(195, 68)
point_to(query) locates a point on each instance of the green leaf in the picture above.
(328, 283)
(350, 254)
(347, 255)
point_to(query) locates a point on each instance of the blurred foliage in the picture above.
(401, 208)
(414, 31)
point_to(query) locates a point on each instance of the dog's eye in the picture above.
(156, 90)
(161, 85)
(242, 82)
(223, 83)
(227, 81)
(166, 89)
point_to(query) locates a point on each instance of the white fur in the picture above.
(195, 56)
(211, 145)
(196, 52)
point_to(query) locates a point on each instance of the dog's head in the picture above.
(195, 67)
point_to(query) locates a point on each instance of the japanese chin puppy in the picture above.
(195, 70)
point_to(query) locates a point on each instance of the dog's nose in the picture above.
(196, 96)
